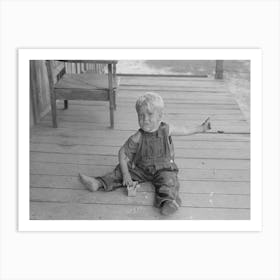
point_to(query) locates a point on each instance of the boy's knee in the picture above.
(169, 181)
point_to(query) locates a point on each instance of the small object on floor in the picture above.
(207, 121)
(220, 131)
(169, 207)
(132, 190)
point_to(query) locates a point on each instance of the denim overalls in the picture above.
(153, 162)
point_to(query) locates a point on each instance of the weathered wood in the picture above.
(111, 98)
(176, 105)
(162, 75)
(186, 186)
(45, 130)
(34, 91)
(131, 121)
(173, 82)
(176, 89)
(105, 150)
(182, 98)
(163, 80)
(219, 69)
(174, 108)
(52, 93)
(142, 198)
(90, 61)
(129, 128)
(214, 167)
(238, 175)
(112, 160)
(70, 211)
(85, 86)
(117, 142)
(85, 81)
(79, 110)
(78, 94)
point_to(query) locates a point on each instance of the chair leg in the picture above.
(114, 97)
(112, 117)
(65, 104)
(53, 106)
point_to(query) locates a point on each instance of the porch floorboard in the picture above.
(214, 167)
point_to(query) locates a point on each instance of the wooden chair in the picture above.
(85, 85)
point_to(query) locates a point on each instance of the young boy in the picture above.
(148, 155)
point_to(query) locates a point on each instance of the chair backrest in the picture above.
(81, 66)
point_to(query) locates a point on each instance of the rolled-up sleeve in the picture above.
(130, 146)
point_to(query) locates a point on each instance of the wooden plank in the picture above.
(187, 100)
(162, 79)
(169, 116)
(170, 82)
(171, 94)
(142, 198)
(132, 122)
(187, 118)
(194, 107)
(46, 130)
(168, 88)
(238, 175)
(77, 110)
(138, 85)
(105, 150)
(112, 160)
(123, 109)
(163, 88)
(186, 186)
(208, 111)
(178, 143)
(70, 211)
(214, 167)
(163, 75)
(191, 112)
(151, 78)
(132, 127)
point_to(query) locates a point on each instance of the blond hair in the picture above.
(152, 101)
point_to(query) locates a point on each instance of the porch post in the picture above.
(219, 69)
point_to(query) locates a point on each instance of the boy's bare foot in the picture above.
(90, 183)
(169, 208)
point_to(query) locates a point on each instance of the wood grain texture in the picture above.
(77, 211)
(214, 167)
(186, 186)
(112, 160)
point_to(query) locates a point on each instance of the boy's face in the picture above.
(148, 120)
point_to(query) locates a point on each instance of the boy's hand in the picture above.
(206, 125)
(127, 181)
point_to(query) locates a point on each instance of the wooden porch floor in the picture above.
(214, 167)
